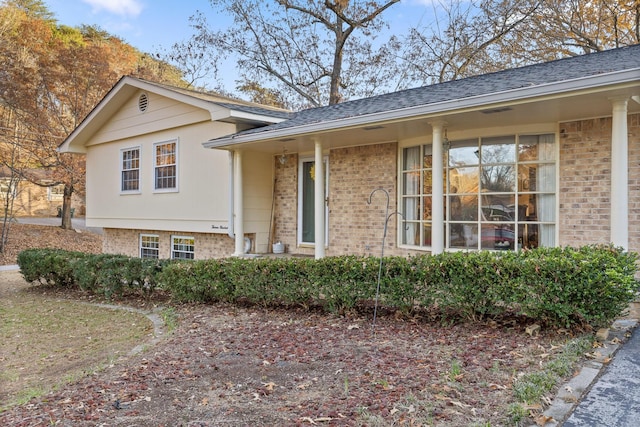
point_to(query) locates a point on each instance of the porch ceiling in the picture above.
(556, 109)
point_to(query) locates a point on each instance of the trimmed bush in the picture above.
(560, 287)
(106, 274)
(52, 267)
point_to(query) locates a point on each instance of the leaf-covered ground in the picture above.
(245, 366)
(24, 236)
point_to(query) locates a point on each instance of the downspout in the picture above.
(230, 230)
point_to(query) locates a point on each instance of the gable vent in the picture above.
(143, 102)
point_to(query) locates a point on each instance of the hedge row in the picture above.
(106, 274)
(560, 287)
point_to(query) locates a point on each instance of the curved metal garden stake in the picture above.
(384, 236)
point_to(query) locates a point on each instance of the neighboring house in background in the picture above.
(544, 155)
(31, 200)
(152, 187)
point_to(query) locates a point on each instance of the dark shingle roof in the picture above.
(529, 76)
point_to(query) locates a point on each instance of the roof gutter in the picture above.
(438, 108)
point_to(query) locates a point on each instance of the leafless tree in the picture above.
(316, 52)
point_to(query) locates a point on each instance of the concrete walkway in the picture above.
(606, 390)
(614, 398)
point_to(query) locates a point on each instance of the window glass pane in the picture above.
(428, 158)
(537, 177)
(497, 237)
(411, 233)
(536, 147)
(149, 245)
(411, 208)
(165, 166)
(468, 209)
(130, 170)
(426, 207)
(428, 182)
(500, 149)
(498, 207)
(462, 153)
(463, 236)
(426, 234)
(411, 183)
(411, 158)
(464, 180)
(183, 248)
(497, 179)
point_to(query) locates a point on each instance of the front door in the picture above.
(306, 200)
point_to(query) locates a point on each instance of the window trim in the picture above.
(173, 242)
(141, 248)
(55, 197)
(507, 131)
(122, 170)
(174, 189)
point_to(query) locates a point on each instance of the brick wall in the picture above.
(585, 182)
(356, 227)
(285, 203)
(126, 242)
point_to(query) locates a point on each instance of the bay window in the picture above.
(499, 193)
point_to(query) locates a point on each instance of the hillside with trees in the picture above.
(51, 76)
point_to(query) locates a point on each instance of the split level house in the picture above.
(543, 155)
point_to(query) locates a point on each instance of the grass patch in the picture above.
(170, 318)
(531, 388)
(46, 343)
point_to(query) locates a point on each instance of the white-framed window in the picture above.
(182, 247)
(165, 166)
(8, 189)
(130, 170)
(499, 193)
(149, 246)
(55, 193)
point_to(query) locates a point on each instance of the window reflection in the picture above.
(499, 193)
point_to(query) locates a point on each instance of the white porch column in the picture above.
(437, 198)
(238, 203)
(319, 202)
(619, 174)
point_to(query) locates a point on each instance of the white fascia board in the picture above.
(254, 117)
(440, 108)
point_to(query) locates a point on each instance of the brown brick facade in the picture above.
(585, 182)
(357, 228)
(354, 226)
(126, 242)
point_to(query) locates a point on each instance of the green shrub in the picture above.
(48, 266)
(560, 287)
(198, 281)
(563, 287)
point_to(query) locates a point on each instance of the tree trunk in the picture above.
(66, 207)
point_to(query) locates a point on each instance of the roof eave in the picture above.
(554, 89)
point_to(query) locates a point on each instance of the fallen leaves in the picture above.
(248, 366)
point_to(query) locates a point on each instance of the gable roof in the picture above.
(563, 75)
(236, 111)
